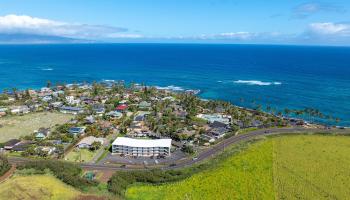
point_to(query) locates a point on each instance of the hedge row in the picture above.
(69, 173)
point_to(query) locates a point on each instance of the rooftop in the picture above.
(142, 142)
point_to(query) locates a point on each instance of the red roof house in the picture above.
(122, 107)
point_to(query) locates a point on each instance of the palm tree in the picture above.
(14, 90)
(48, 85)
(287, 112)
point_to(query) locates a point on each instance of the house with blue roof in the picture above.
(71, 110)
(42, 133)
(77, 131)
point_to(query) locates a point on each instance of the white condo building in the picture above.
(141, 147)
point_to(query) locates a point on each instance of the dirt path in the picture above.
(7, 174)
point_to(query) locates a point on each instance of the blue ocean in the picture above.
(281, 77)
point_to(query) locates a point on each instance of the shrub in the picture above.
(4, 165)
(69, 173)
(121, 180)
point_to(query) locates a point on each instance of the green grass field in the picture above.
(288, 167)
(38, 187)
(312, 167)
(80, 155)
(15, 126)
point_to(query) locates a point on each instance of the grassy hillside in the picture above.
(245, 176)
(289, 167)
(38, 187)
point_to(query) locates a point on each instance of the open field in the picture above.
(16, 126)
(286, 167)
(244, 176)
(312, 167)
(80, 155)
(38, 187)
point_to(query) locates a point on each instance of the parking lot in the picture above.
(133, 160)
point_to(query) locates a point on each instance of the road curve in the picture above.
(203, 155)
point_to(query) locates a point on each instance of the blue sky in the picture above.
(212, 21)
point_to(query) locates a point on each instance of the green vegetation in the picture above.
(17, 126)
(245, 176)
(312, 167)
(4, 165)
(247, 130)
(36, 187)
(124, 179)
(80, 155)
(67, 172)
(287, 167)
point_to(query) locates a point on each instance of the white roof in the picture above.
(91, 139)
(124, 141)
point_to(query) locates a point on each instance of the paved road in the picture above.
(205, 154)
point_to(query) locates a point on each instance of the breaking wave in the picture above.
(47, 69)
(170, 87)
(256, 82)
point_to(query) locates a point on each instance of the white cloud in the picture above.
(329, 28)
(241, 36)
(11, 24)
(306, 9)
(237, 35)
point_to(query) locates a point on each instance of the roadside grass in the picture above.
(246, 130)
(247, 175)
(104, 154)
(13, 127)
(80, 155)
(278, 167)
(36, 187)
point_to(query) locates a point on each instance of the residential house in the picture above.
(76, 131)
(145, 105)
(86, 142)
(215, 133)
(169, 98)
(42, 133)
(141, 116)
(48, 150)
(122, 108)
(90, 119)
(71, 110)
(115, 114)
(72, 101)
(22, 146)
(215, 117)
(3, 111)
(46, 98)
(19, 109)
(217, 124)
(58, 93)
(56, 104)
(98, 109)
(11, 143)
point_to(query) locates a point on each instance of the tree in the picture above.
(95, 145)
(4, 165)
(14, 90)
(188, 149)
(287, 111)
(48, 84)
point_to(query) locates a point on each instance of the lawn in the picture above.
(286, 167)
(80, 155)
(15, 126)
(38, 187)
